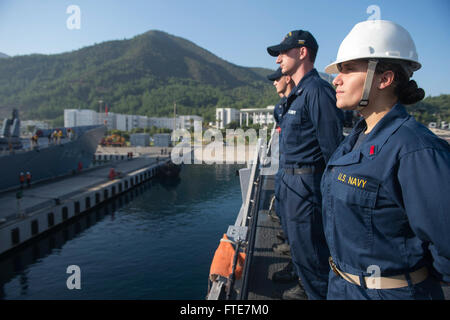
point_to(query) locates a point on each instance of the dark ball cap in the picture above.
(276, 75)
(294, 39)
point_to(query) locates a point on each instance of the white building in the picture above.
(261, 116)
(109, 120)
(167, 123)
(83, 117)
(198, 125)
(224, 116)
(186, 122)
(125, 122)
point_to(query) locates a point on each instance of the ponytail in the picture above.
(409, 93)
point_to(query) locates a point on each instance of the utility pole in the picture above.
(99, 111)
(100, 106)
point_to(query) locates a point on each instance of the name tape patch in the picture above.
(357, 182)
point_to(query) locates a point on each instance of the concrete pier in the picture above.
(47, 205)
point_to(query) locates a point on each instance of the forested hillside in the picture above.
(144, 75)
(432, 109)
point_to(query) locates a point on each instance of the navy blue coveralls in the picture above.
(387, 204)
(278, 113)
(279, 110)
(311, 131)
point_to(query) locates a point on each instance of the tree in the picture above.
(232, 125)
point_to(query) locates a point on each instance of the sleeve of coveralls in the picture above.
(327, 120)
(425, 188)
(275, 114)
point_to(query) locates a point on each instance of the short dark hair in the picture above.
(312, 53)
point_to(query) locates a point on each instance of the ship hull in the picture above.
(52, 161)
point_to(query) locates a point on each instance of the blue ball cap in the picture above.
(276, 75)
(294, 39)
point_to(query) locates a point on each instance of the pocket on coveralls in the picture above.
(354, 208)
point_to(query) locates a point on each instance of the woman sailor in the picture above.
(386, 189)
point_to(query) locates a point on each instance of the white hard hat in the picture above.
(377, 39)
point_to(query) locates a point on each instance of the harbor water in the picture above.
(154, 242)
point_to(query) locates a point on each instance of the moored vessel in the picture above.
(45, 158)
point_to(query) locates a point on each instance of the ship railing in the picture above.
(242, 233)
(261, 157)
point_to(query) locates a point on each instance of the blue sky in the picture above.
(238, 31)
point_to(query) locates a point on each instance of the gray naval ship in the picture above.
(45, 158)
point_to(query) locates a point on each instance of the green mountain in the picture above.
(432, 109)
(2, 55)
(143, 75)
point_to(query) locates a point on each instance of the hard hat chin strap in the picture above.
(367, 85)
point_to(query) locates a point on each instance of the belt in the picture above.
(308, 169)
(398, 281)
(305, 170)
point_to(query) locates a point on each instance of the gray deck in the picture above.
(265, 261)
